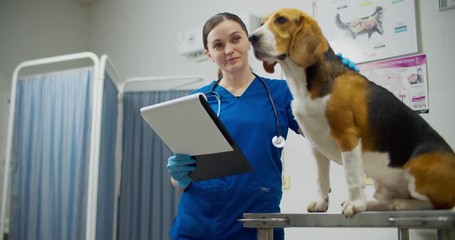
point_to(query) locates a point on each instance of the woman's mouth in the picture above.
(230, 60)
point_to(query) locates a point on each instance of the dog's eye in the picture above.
(281, 20)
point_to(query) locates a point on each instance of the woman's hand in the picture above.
(348, 62)
(179, 167)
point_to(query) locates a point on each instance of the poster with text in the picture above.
(405, 77)
(369, 30)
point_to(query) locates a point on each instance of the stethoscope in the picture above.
(278, 140)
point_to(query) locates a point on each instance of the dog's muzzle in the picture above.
(254, 40)
(259, 52)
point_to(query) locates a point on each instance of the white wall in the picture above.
(141, 38)
(437, 38)
(37, 29)
(4, 93)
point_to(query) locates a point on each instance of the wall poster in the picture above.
(368, 30)
(405, 77)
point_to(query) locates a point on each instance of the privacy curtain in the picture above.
(51, 156)
(148, 202)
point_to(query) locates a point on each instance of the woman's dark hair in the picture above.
(217, 19)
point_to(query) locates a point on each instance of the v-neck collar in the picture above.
(223, 91)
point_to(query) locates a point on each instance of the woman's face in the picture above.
(228, 46)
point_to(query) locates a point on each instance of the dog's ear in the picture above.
(308, 43)
(269, 67)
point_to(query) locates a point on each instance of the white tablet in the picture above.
(188, 125)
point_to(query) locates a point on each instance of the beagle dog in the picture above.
(356, 123)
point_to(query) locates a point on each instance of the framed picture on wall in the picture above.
(446, 4)
(371, 30)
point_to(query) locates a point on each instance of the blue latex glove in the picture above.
(179, 166)
(348, 62)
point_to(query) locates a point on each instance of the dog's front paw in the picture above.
(320, 206)
(352, 207)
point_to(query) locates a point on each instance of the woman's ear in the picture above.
(207, 53)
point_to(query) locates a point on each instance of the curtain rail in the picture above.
(190, 79)
(111, 69)
(107, 64)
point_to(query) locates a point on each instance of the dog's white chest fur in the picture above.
(310, 114)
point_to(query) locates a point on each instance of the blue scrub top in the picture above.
(210, 209)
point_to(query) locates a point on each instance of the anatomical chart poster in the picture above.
(405, 77)
(368, 30)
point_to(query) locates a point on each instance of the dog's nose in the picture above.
(254, 38)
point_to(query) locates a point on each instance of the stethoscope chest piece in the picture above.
(278, 141)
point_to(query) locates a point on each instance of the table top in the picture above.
(405, 219)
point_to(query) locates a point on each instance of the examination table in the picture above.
(441, 220)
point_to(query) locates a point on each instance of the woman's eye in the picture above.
(236, 39)
(217, 46)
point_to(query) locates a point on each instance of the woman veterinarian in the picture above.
(250, 107)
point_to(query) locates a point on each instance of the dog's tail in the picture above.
(340, 23)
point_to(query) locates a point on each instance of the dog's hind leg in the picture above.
(323, 183)
(409, 204)
(399, 205)
(375, 205)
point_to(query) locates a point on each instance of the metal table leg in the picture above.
(265, 233)
(446, 234)
(403, 233)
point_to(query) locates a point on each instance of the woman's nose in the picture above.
(228, 49)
